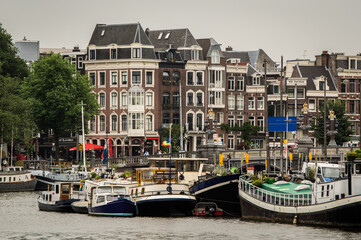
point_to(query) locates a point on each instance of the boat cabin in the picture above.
(15, 176)
(185, 169)
(59, 191)
(326, 172)
(101, 195)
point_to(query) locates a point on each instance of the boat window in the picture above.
(323, 189)
(131, 192)
(136, 192)
(143, 189)
(65, 189)
(111, 198)
(105, 189)
(46, 198)
(49, 198)
(1, 179)
(331, 172)
(9, 179)
(57, 189)
(76, 187)
(358, 168)
(118, 189)
(14, 179)
(100, 199)
(43, 196)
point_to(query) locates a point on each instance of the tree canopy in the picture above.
(247, 131)
(57, 90)
(343, 130)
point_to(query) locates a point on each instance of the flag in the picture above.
(108, 151)
(166, 143)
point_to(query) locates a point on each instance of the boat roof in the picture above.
(288, 188)
(177, 159)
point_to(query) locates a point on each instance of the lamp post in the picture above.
(266, 117)
(332, 131)
(210, 127)
(324, 120)
(281, 110)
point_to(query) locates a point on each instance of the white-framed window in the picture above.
(136, 121)
(136, 98)
(230, 142)
(251, 103)
(239, 121)
(190, 78)
(220, 118)
(352, 63)
(113, 53)
(114, 78)
(149, 78)
(190, 121)
(260, 105)
(80, 63)
(136, 53)
(256, 80)
(215, 56)
(136, 77)
(276, 89)
(199, 99)
(343, 86)
(252, 121)
(124, 122)
(102, 123)
(101, 78)
(102, 100)
(148, 122)
(92, 124)
(92, 77)
(231, 102)
(216, 97)
(312, 104)
(240, 102)
(92, 54)
(149, 99)
(190, 99)
(300, 93)
(231, 120)
(199, 121)
(124, 99)
(199, 78)
(260, 123)
(195, 54)
(240, 83)
(124, 75)
(231, 83)
(114, 99)
(114, 122)
(216, 79)
(291, 92)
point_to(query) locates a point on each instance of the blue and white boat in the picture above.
(111, 200)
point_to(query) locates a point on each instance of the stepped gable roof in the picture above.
(237, 54)
(120, 34)
(313, 72)
(176, 37)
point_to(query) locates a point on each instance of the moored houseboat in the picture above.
(333, 203)
(14, 179)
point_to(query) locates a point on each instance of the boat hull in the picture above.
(80, 207)
(18, 186)
(59, 206)
(222, 190)
(171, 206)
(345, 212)
(119, 208)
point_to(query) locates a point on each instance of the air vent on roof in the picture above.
(160, 35)
(102, 34)
(167, 36)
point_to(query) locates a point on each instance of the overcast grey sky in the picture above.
(280, 27)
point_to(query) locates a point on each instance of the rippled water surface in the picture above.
(21, 219)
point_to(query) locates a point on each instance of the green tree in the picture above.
(343, 129)
(164, 136)
(247, 130)
(14, 109)
(57, 90)
(10, 65)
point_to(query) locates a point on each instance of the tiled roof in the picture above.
(313, 72)
(176, 37)
(234, 54)
(120, 34)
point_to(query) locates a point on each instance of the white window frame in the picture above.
(80, 63)
(136, 52)
(240, 102)
(196, 102)
(240, 79)
(256, 80)
(349, 63)
(146, 78)
(147, 124)
(100, 100)
(95, 54)
(100, 123)
(215, 56)
(95, 78)
(149, 103)
(314, 105)
(231, 102)
(124, 99)
(124, 74)
(105, 79)
(195, 78)
(260, 103)
(122, 122)
(111, 123)
(231, 120)
(114, 100)
(253, 106)
(230, 141)
(136, 84)
(187, 99)
(260, 123)
(110, 53)
(231, 83)
(112, 79)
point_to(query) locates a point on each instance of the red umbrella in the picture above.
(89, 146)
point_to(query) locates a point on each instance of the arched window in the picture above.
(149, 122)
(114, 122)
(102, 99)
(102, 123)
(114, 99)
(190, 121)
(215, 56)
(166, 98)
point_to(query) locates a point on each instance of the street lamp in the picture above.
(324, 120)
(332, 131)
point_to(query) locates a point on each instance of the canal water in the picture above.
(21, 219)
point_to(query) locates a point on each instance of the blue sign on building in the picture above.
(279, 124)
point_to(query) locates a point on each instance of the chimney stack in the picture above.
(324, 58)
(229, 48)
(147, 32)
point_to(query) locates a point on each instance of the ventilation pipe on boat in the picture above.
(349, 171)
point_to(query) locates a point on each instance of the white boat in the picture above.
(14, 179)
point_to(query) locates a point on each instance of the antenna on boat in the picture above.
(169, 188)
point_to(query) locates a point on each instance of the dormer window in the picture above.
(136, 53)
(160, 35)
(215, 56)
(321, 85)
(256, 80)
(167, 36)
(352, 63)
(113, 53)
(195, 54)
(103, 32)
(92, 54)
